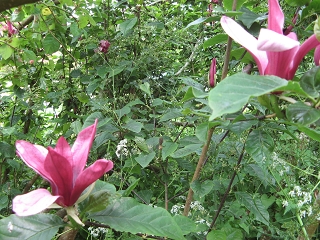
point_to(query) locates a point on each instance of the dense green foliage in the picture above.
(158, 119)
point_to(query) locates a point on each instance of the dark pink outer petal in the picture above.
(81, 148)
(33, 202)
(241, 36)
(276, 17)
(306, 47)
(89, 176)
(61, 174)
(316, 56)
(34, 156)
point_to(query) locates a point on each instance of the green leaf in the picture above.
(91, 118)
(7, 150)
(185, 151)
(126, 26)
(36, 227)
(146, 88)
(168, 148)
(259, 145)
(123, 111)
(132, 186)
(97, 201)
(228, 4)
(217, 39)
(128, 215)
(294, 87)
(145, 159)
(133, 126)
(202, 189)
(5, 51)
(315, 135)
(171, 114)
(310, 82)
(83, 21)
(141, 144)
(233, 92)
(302, 114)
(248, 17)
(196, 22)
(262, 173)
(4, 200)
(83, 97)
(217, 235)
(50, 44)
(29, 55)
(255, 207)
(186, 224)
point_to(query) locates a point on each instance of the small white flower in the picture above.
(300, 203)
(285, 203)
(292, 194)
(303, 214)
(10, 227)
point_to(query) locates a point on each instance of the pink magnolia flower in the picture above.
(63, 167)
(274, 53)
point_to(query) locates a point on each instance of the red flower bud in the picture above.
(212, 73)
(104, 46)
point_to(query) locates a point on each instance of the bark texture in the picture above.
(7, 4)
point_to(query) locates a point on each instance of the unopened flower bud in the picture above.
(212, 73)
(104, 46)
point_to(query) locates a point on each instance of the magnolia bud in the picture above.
(212, 73)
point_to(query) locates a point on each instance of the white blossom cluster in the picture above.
(279, 164)
(122, 148)
(96, 232)
(302, 199)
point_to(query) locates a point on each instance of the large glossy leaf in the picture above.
(50, 44)
(310, 82)
(36, 227)
(302, 114)
(186, 224)
(259, 145)
(145, 159)
(182, 152)
(217, 39)
(202, 188)
(128, 215)
(233, 92)
(255, 207)
(133, 126)
(126, 26)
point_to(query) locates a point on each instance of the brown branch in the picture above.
(7, 4)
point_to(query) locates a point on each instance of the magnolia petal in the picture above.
(81, 148)
(89, 176)
(33, 202)
(34, 156)
(280, 63)
(274, 42)
(72, 212)
(316, 56)
(306, 47)
(61, 173)
(276, 17)
(241, 36)
(63, 148)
